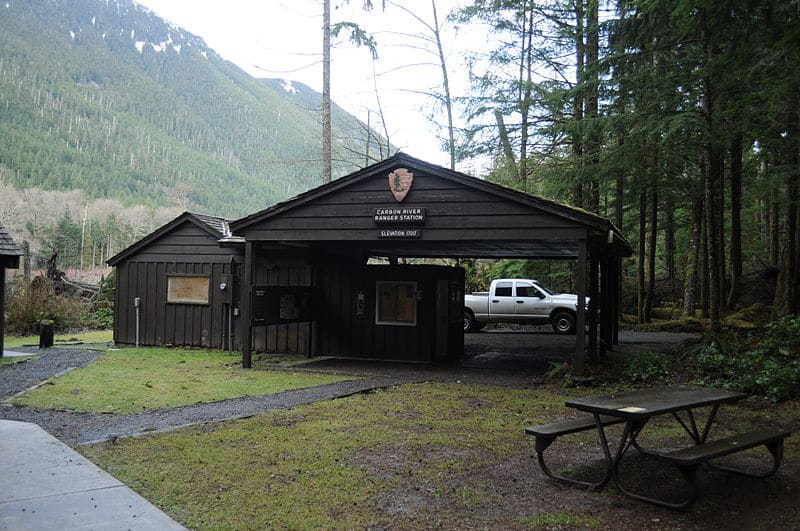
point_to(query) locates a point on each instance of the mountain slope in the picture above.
(105, 96)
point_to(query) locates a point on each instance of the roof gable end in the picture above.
(214, 226)
(418, 166)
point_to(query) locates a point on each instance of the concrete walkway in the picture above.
(15, 354)
(45, 485)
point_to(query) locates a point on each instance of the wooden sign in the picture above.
(399, 233)
(400, 216)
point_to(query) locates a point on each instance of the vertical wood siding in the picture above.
(185, 250)
(343, 333)
(280, 271)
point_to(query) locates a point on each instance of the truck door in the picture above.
(501, 302)
(530, 303)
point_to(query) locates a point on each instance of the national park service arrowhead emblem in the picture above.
(400, 183)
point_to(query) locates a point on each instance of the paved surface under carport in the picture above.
(46, 485)
(534, 351)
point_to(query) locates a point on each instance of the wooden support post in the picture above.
(2, 308)
(580, 332)
(616, 290)
(594, 302)
(602, 317)
(247, 290)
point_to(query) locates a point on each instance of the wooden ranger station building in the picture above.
(295, 277)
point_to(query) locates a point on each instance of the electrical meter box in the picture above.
(226, 287)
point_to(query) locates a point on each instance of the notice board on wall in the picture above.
(282, 304)
(188, 289)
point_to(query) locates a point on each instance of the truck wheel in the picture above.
(469, 321)
(563, 323)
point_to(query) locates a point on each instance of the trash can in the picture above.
(46, 333)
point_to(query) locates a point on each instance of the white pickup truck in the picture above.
(511, 300)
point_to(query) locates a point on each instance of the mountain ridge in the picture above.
(105, 96)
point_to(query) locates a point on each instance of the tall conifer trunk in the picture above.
(640, 273)
(577, 106)
(736, 219)
(592, 104)
(327, 168)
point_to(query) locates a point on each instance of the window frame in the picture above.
(396, 283)
(504, 284)
(194, 302)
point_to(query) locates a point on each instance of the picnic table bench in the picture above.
(546, 434)
(635, 409)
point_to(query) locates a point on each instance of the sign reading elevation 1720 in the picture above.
(399, 216)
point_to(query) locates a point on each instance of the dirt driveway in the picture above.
(535, 348)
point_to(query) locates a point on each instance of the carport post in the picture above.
(247, 329)
(594, 267)
(580, 331)
(2, 306)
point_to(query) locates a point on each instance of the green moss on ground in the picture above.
(131, 380)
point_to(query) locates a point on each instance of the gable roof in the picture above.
(9, 251)
(215, 226)
(591, 221)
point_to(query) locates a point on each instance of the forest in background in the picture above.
(676, 120)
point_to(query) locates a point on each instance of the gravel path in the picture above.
(17, 377)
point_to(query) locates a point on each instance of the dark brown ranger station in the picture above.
(295, 277)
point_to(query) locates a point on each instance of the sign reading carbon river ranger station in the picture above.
(395, 220)
(399, 216)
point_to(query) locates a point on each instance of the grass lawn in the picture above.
(95, 336)
(416, 456)
(323, 465)
(131, 380)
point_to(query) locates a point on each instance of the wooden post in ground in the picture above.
(247, 290)
(2, 308)
(580, 311)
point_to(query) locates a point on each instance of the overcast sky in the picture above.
(283, 39)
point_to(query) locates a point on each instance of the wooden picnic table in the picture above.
(635, 409)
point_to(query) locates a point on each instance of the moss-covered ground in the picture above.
(135, 379)
(425, 455)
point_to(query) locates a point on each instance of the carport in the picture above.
(307, 283)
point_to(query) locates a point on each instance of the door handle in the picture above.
(520, 302)
(495, 301)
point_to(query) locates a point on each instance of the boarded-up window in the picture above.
(186, 289)
(396, 303)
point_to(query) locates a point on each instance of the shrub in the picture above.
(764, 362)
(99, 319)
(648, 368)
(26, 307)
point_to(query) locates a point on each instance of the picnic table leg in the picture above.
(541, 445)
(628, 439)
(691, 426)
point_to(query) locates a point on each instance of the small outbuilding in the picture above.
(176, 286)
(9, 259)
